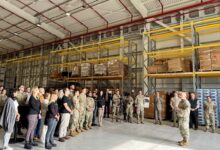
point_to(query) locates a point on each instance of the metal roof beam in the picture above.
(144, 12)
(30, 18)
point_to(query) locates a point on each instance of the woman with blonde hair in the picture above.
(51, 119)
(33, 115)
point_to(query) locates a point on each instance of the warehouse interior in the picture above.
(130, 45)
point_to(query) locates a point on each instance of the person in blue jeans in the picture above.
(52, 117)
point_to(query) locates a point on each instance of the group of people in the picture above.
(63, 113)
(185, 112)
(66, 113)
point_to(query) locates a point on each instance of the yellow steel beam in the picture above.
(173, 33)
(208, 74)
(100, 60)
(94, 49)
(168, 51)
(171, 75)
(89, 45)
(212, 26)
(210, 20)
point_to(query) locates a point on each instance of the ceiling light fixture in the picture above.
(67, 14)
(15, 33)
(38, 24)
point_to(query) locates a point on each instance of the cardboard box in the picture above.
(86, 69)
(157, 69)
(100, 69)
(179, 65)
(116, 67)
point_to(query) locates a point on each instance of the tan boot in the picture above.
(180, 141)
(184, 143)
(78, 131)
(90, 127)
(73, 133)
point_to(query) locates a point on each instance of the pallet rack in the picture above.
(186, 30)
(95, 53)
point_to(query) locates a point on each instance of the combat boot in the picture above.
(90, 127)
(73, 133)
(184, 143)
(180, 141)
(78, 131)
(213, 130)
(86, 128)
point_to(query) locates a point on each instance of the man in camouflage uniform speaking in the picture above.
(183, 112)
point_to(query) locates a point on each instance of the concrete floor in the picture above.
(125, 136)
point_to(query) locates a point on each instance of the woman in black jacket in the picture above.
(52, 118)
(33, 115)
(101, 107)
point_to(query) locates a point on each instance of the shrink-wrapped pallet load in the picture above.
(100, 69)
(116, 67)
(86, 69)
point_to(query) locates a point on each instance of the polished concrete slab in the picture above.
(126, 136)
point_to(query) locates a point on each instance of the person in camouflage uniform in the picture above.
(183, 112)
(75, 116)
(116, 105)
(82, 102)
(139, 104)
(209, 110)
(129, 107)
(89, 111)
(3, 98)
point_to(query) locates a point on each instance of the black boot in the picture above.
(27, 145)
(48, 146)
(32, 143)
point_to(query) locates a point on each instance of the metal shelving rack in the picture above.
(95, 53)
(26, 70)
(186, 30)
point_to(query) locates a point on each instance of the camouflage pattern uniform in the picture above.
(89, 112)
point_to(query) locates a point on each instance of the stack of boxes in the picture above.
(100, 69)
(116, 67)
(158, 67)
(215, 57)
(209, 58)
(202, 96)
(86, 69)
(205, 59)
(179, 65)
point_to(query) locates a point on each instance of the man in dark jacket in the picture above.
(194, 111)
(108, 99)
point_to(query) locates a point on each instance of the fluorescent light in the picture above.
(68, 14)
(15, 33)
(38, 24)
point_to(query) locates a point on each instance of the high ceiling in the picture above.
(26, 23)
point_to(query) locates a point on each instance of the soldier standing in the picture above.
(210, 108)
(89, 111)
(139, 103)
(116, 105)
(158, 108)
(21, 98)
(174, 104)
(82, 102)
(75, 116)
(129, 107)
(183, 112)
(3, 98)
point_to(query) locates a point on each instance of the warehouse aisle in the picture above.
(124, 136)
